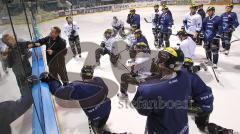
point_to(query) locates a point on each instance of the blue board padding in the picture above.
(44, 120)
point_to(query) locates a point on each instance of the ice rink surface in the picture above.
(73, 120)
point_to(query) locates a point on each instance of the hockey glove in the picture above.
(202, 120)
(44, 77)
(102, 44)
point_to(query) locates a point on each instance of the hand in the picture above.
(195, 35)
(102, 44)
(50, 52)
(202, 120)
(73, 32)
(44, 77)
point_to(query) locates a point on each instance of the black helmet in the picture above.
(210, 8)
(182, 32)
(87, 72)
(172, 58)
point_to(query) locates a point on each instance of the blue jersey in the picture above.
(165, 102)
(165, 22)
(92, 96)
(211, 27)
(230, 20)
(134, 19)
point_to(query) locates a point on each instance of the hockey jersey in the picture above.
(192, 23)
(188, 47)
(133, 19)
(117, 25)
(110, 45)
(91, 95)
(165, 102)
(131, 40)
(230, 20)
(211, 27)
(155, 19)
(166, 22)
(68, 28)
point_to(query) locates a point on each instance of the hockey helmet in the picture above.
(230, 5)
(194, 6)
(182, 32)
(172, 58)
(156, 6)
(200, 5)
(138, 31)
(87, 72)
(164, 7)
(132, 10)
(108, 33)
(210, 9)
(142, 47)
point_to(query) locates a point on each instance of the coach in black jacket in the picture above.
(55, 52)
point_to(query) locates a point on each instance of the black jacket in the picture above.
(202, 13)
(58, 46)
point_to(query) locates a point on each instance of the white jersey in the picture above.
(188, 47)
(69, 27)
(194, 23)
(131, 40)
(117, 24)
(153, 17)
(3, 47)
(142, 66)
(111, 45)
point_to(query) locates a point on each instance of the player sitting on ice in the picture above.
(118, 27)
(212, 29)
(91, 93)
(140, 40)
(193, 22)
(133, 18)
(109, 47)
(188, 47)
(164, 100)
(165, 22)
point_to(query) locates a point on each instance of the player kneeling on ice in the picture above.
(118, 27)
(71, 29)
(91, 93)
(212, 29)
(109, 47)
(166, 22)
(140, 41)
(188, 47)
(143, 69)
(165, 100)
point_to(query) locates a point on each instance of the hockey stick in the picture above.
(122, 51)
(235, 40)
(214, 72)
(147, 20)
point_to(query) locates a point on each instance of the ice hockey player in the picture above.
(193, 22)
(130, 40)
(133, 18)
(108, 46)
(118, 27)
(230, 23)
(166, 22)
(71, 29)
(140, 70)
(165, 100)
(155, 23)
(91, 93)
(202, 13)
(188, 47)
(212, 29)
(140, 40)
